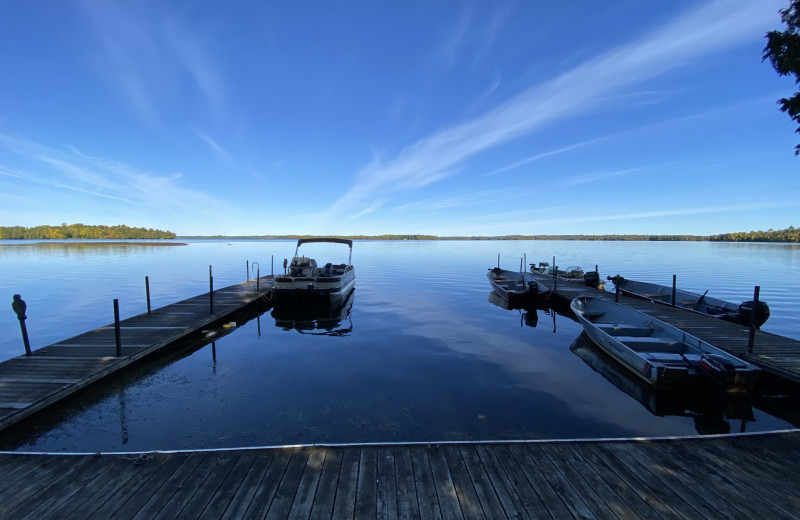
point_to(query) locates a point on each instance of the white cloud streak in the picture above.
(103, 178)
(712, 27)
(145, 59)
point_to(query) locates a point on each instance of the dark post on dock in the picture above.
(147, 291)
(674, 284)
(19, 306)
(210, 291)
(117, 335)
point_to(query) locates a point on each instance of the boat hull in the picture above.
(516, 289)
(308, 290)
(660, 354)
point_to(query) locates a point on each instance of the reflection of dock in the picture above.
(31, 383)
(722, 477)
(774, 354)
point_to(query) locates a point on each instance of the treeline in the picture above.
(81, 231)
(790, 234)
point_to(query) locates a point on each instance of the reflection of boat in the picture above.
(711, 412)
(701, 303)
(660, 354)
(316, 320)
(515, 289)
(308, 283)
(528, 315)
(572, 274)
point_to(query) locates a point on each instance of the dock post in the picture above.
(674, 283)
(520, 265)
(258, 277)
(147, 291)
(616, 292)
(525, 256)
(272, 264)
(248, 271)
(117, 336)
(19, 306)
(498, 260)
(210, 291)
(753, 316)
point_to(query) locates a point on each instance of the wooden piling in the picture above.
(117, 333)
(674, 288)
(147, 291)
(753, 317)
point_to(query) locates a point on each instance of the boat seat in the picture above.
(666, 358)
(626, 330)
(650, 344)
(592, 315)
(687, 301)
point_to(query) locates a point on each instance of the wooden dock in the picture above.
(753, 476)
(775, 354)
(31, 383)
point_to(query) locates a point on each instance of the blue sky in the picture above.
(447, 117)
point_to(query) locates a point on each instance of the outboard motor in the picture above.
(718, 368)
(746, 312)
(591, 279)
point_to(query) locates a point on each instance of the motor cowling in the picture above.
(591, 279)
(746, 313)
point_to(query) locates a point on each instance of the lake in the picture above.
(421, 353)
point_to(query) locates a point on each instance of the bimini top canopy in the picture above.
(325, 239)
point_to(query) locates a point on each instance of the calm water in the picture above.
(420, 354)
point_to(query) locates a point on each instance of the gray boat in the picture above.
(660, 354)
(737, 313)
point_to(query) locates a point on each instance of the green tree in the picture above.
(783, 51)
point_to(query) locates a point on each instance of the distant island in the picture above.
(790, 234)
(82, 232)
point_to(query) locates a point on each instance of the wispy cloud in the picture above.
(712, 27)
(221, 153)
(450, 49)
(601, 176)
(75, 171)
(144, 57)
(541, 155)
(465, 199)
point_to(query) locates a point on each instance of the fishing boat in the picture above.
(572, 274)
(515, 289)
(660, 354)
(728, 311)
(305, 282)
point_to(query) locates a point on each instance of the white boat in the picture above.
(308, 283)
(660, 354)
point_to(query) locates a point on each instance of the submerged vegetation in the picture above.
(81, 231)
(790, 234)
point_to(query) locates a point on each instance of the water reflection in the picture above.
(317, 320)
(710, 408)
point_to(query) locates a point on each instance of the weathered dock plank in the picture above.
(30, 383)
(679, 478)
